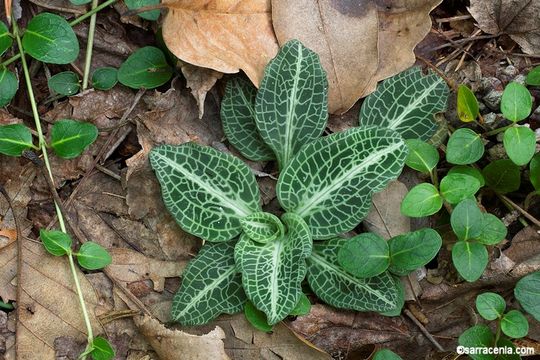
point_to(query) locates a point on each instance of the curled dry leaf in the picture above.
(359, 42)
(172, 344)
(226, 36)
(129, 266)
(519, 19)
(200, 81)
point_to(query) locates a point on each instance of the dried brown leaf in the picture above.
(171, 344)
(519, 19)
(130, 266)
(200, 81)
(227, 36)
(359, 42)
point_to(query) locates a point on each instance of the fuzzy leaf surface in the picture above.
(272, 272)
(407, 104)
(211, 285)
(338, 288)
(205, 190)
(291, 108)
(329, 183)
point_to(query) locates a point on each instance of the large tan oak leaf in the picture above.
(224, 35)
(360, 42)
(518, 18)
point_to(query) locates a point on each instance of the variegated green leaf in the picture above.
(407, 103)
(338, 288)
(206, 191)
(263, 227)
(211, 285)
(238, 119)
(329, 183)
(272, 272)
(292, 103)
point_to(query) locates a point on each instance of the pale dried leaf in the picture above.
(172, 344)
(360, 43)
(517, 18)
(200, 81)
(129, 266)
(49, 305)
(227, 36)
(385, 217)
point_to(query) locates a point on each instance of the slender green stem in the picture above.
(43, 147)
(92, 12)
(434, 177)
(499, 130)
(89, 46)
(72, 23)
(498, 334)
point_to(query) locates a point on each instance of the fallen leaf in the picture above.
(385, 217)
(519, 19)
(130, 266)
(200, 81)
(227, 36)
(243, 341)
(354, 39)
(171, 344)
(49, 306)
(524, 252)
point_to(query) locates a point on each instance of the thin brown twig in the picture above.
(521, 210)
(423, 329)
(454, 18)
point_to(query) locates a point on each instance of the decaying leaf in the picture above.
(200, 81)
(226, 36)
(129, 266)
(385, 218)
(174, 344)
(359, 42)
(49, 306)
(519, 19)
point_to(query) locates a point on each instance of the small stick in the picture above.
(423, 329)
(523, 212)
(454, 18)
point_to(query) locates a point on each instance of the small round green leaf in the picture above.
(14, 139)
(365, 255)
(533, 77)
(490, 305)
(92, 256)
(494, 230)
(468, 170)
(56, 242)
(69, 138)
(5, 38)
(464, 147)
(410, 251)
(505, 342)
(256, 317)
(303, 307)
(65, 83)
(470, 259)
(151, 15)
(467, 105)
(458, 187)
(516, 102)
(527, 291)
(101, 349)
(467, 220)
(520, 144)
(146, 68)
(422, 156)
(385, 354)
(475, 337)
(104, 78)
(50, 38)
(503, 176)
(514, 324)
(534, 174)
(422, 200)
(8, 86)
